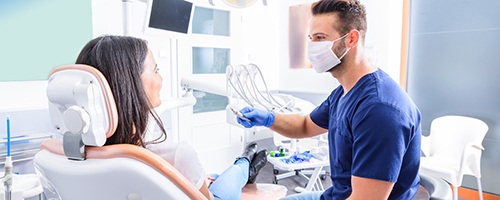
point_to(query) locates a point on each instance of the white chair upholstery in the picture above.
(109, 172)
(120, 171)
(453, 149)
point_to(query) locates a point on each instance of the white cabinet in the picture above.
(209, 49)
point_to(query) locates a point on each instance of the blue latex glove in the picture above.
(257, 117)
(298, 158)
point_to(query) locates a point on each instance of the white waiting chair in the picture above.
(453, 149)
(79, 167)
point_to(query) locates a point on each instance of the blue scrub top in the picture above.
(373, 132)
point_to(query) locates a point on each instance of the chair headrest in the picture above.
(81, 103)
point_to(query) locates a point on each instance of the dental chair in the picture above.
(82, 108)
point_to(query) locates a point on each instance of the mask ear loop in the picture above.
(359, 33)
(340, 38)
(349, 48)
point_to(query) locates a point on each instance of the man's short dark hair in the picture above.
(351, 14)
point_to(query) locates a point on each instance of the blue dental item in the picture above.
(298, 158)
(8, 136)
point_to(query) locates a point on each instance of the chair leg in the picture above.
(455, 193)
(479, 188)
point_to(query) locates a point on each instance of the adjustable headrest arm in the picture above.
(73, 145)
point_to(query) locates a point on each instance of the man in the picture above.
(373, 126)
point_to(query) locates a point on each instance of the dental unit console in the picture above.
(246, 87)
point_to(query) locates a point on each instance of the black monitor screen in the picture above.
(170, 15)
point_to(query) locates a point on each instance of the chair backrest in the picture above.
(450, 134)
(82, 108)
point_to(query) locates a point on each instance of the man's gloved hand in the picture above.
(257, 117)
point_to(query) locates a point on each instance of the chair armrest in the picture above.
(471, 159)
(478, 146)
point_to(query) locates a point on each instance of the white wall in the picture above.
(261, 43)
(299, 80)
(383, 40)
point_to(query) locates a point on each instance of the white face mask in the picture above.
(321, 55)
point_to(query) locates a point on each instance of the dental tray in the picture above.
(23, 146)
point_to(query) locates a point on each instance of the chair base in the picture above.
(314, 179)
(314, 183)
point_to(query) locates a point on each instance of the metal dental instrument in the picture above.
(239, 115)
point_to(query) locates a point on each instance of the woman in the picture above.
(132, 74)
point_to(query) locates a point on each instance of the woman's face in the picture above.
(151, 80)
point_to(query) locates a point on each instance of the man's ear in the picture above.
(353, 38)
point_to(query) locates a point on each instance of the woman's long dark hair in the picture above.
(120, 59)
